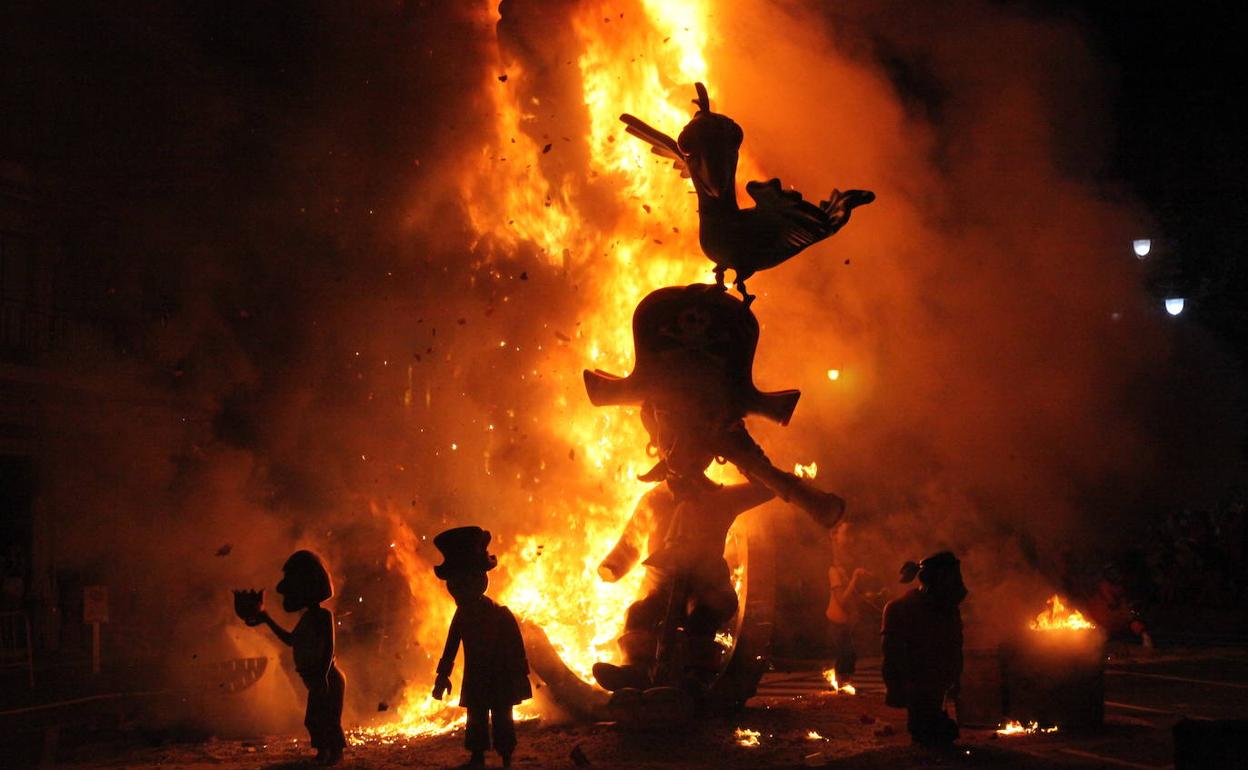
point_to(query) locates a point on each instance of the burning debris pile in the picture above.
(835, 686)
(1018, 728)
(1047, 676)
(1057, 617)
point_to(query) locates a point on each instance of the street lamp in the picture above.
(1174, 305)
(1141, 247)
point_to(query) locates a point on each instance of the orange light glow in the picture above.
(1058, 617)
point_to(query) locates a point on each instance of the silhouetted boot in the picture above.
(638, 648)
(703, 655)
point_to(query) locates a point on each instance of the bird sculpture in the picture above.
(781, 223)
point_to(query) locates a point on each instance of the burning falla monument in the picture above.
(693, 383)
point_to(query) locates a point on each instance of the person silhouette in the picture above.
(495, 666)
(304, 585)
(922, 640)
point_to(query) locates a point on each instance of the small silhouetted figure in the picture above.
(923, 647)
(495, 667)
(305, 584)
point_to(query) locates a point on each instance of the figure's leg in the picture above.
(927, 721)
(504, 728)
(477, 734)
(719, 276)
(846, 657)
(637, 643)
(712, 604)
(740, 286)
(314, 717)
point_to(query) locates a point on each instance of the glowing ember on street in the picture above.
(1059, 617)
(837, 687)
(811, 735)
(1018, 728)
(747, 737)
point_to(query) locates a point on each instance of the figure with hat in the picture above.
(693, 383)
(495, 666)
(305, 584)
(922, 640)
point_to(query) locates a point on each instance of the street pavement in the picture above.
(796, 720)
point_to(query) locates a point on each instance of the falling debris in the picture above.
(502, 78)
(383, 706)
(546, 148)
(225, 550)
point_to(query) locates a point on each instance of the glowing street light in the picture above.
(1141, 247)
(834, 374)
(1174, 305)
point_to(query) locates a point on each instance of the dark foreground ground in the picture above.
(1146, 695)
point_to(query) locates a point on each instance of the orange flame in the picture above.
(644, 62)
(1058, 617)
(836, 686)
(1018, 728)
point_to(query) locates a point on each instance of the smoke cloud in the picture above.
(290, 334)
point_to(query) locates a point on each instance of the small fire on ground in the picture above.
(747, 737)
(1018, 728)
(1058, 617)
(837, 687)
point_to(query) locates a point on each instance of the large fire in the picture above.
(639, 57)
(1058, 617)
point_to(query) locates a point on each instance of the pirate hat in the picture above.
(695, 339)
(464, 550)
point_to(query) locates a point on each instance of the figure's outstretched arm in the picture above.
(286, 637)
(627, 551)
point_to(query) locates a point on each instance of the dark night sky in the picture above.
(1181, 141)
(189, 99)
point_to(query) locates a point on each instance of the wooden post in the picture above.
(95, 648)
(95, 612)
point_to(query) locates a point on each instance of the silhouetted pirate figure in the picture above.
(922, 633)
(305, 584)
(495, 667)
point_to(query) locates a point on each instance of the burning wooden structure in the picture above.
(1050, 675)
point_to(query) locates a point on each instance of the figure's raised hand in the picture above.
(249, 605)
(441, 686)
